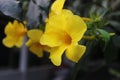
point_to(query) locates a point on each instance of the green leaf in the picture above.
(104, 35)
(92, 15)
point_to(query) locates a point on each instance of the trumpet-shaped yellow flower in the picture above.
(33, 42)
(63, 31)
(14, 34)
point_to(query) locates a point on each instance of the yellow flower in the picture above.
(14, 34)
(62, 33)
(34, 44)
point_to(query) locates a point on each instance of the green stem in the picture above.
(93, 37)
(89, 37)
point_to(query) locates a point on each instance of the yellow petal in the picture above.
(9, 41)
(51, 39)
(21, 27)
(20, 41)
(56, 22)
(15, 23)
(56, 55)
(18, 25)
(76, 27)
(35, 34)
(74, 53)
(29, 43)
(9, 29)
(67, 13)
(46, 48)
(36, 49)
(57, 6)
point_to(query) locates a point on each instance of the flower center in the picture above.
(22, 32)
(67, 39)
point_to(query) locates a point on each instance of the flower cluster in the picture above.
(63, 31)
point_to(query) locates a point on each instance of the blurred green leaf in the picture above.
(104, 35)
(114, 72)
(93, 16)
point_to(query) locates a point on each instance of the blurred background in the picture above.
(101, 60)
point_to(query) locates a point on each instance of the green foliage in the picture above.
(104, 35)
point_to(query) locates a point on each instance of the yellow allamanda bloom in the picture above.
(15, 33)
(33, 42)
(62, 33)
